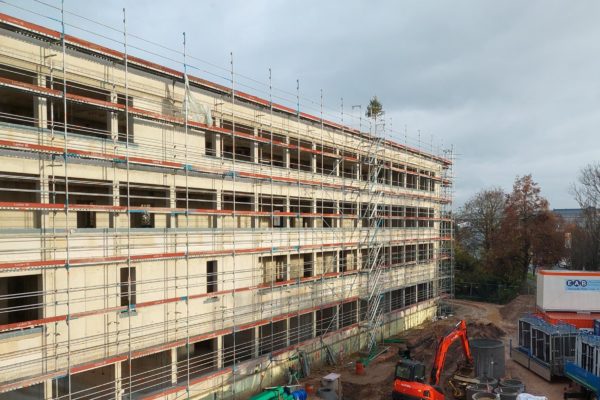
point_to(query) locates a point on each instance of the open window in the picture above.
(128, 286)
(326, 320)
(21, 298)
(212, 275)
(203, 357)
(273, 337)
(148, 374)
(238, 346)
(348, 313)
(301, 328)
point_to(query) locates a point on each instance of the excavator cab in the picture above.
(411, 371)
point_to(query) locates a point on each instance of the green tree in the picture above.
(374, 109)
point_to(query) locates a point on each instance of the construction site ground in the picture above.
(484, 320)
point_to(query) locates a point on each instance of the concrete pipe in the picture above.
(488, 357)
(485, 396)
(508, 393)
(476, 388)
(512, 382)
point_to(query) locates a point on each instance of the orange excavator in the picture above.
(409, 380)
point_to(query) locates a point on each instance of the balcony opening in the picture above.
(212, 276)
(326, 320)
(410, 295)
(421, 292)
(348, 314)
(272, 337)
(301, 206)
(238, 347)
(82, 119)
(125, 124)
(86, 192)
(411, 217)
(196, 200)
(149, 374)
(203, 357)
(142, 197)
(397, 255)
(26, 393)
(240, 201)
(97, 383)
(411, 178)
(348, 167)
(236, 147)
(397, 216)
(348, 260)
(210, 144)
(301, 159)
(17, 107)
(21, 299)
(308, 263)
(326, 165)
(128, 286)
(272, 153)
(410, 255)
(20, 188)
(274, 268)
(397, 299)
(326, 262)
(423, 217)
(273, 205)
(328, 211)
(301, 328)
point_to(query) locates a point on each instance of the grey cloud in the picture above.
(513, 85)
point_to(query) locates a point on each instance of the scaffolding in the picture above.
(166, 235)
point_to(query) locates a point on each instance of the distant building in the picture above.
(570, 215)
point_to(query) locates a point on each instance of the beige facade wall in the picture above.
(199, 273)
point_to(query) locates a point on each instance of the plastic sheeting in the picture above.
(527, 396)
(197, 111)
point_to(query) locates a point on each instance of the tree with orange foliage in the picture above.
(529, 235)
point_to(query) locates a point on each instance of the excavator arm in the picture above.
(459, 332)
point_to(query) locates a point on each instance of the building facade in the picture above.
(160, 239)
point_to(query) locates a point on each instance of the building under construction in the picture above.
(164, 236)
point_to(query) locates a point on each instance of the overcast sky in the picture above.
(512, 85)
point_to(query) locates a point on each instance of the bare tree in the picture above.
(586, 239)
(480, 219)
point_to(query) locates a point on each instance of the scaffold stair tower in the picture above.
(373, 213)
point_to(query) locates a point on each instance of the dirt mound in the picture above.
(485, 330)
(518, 307)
